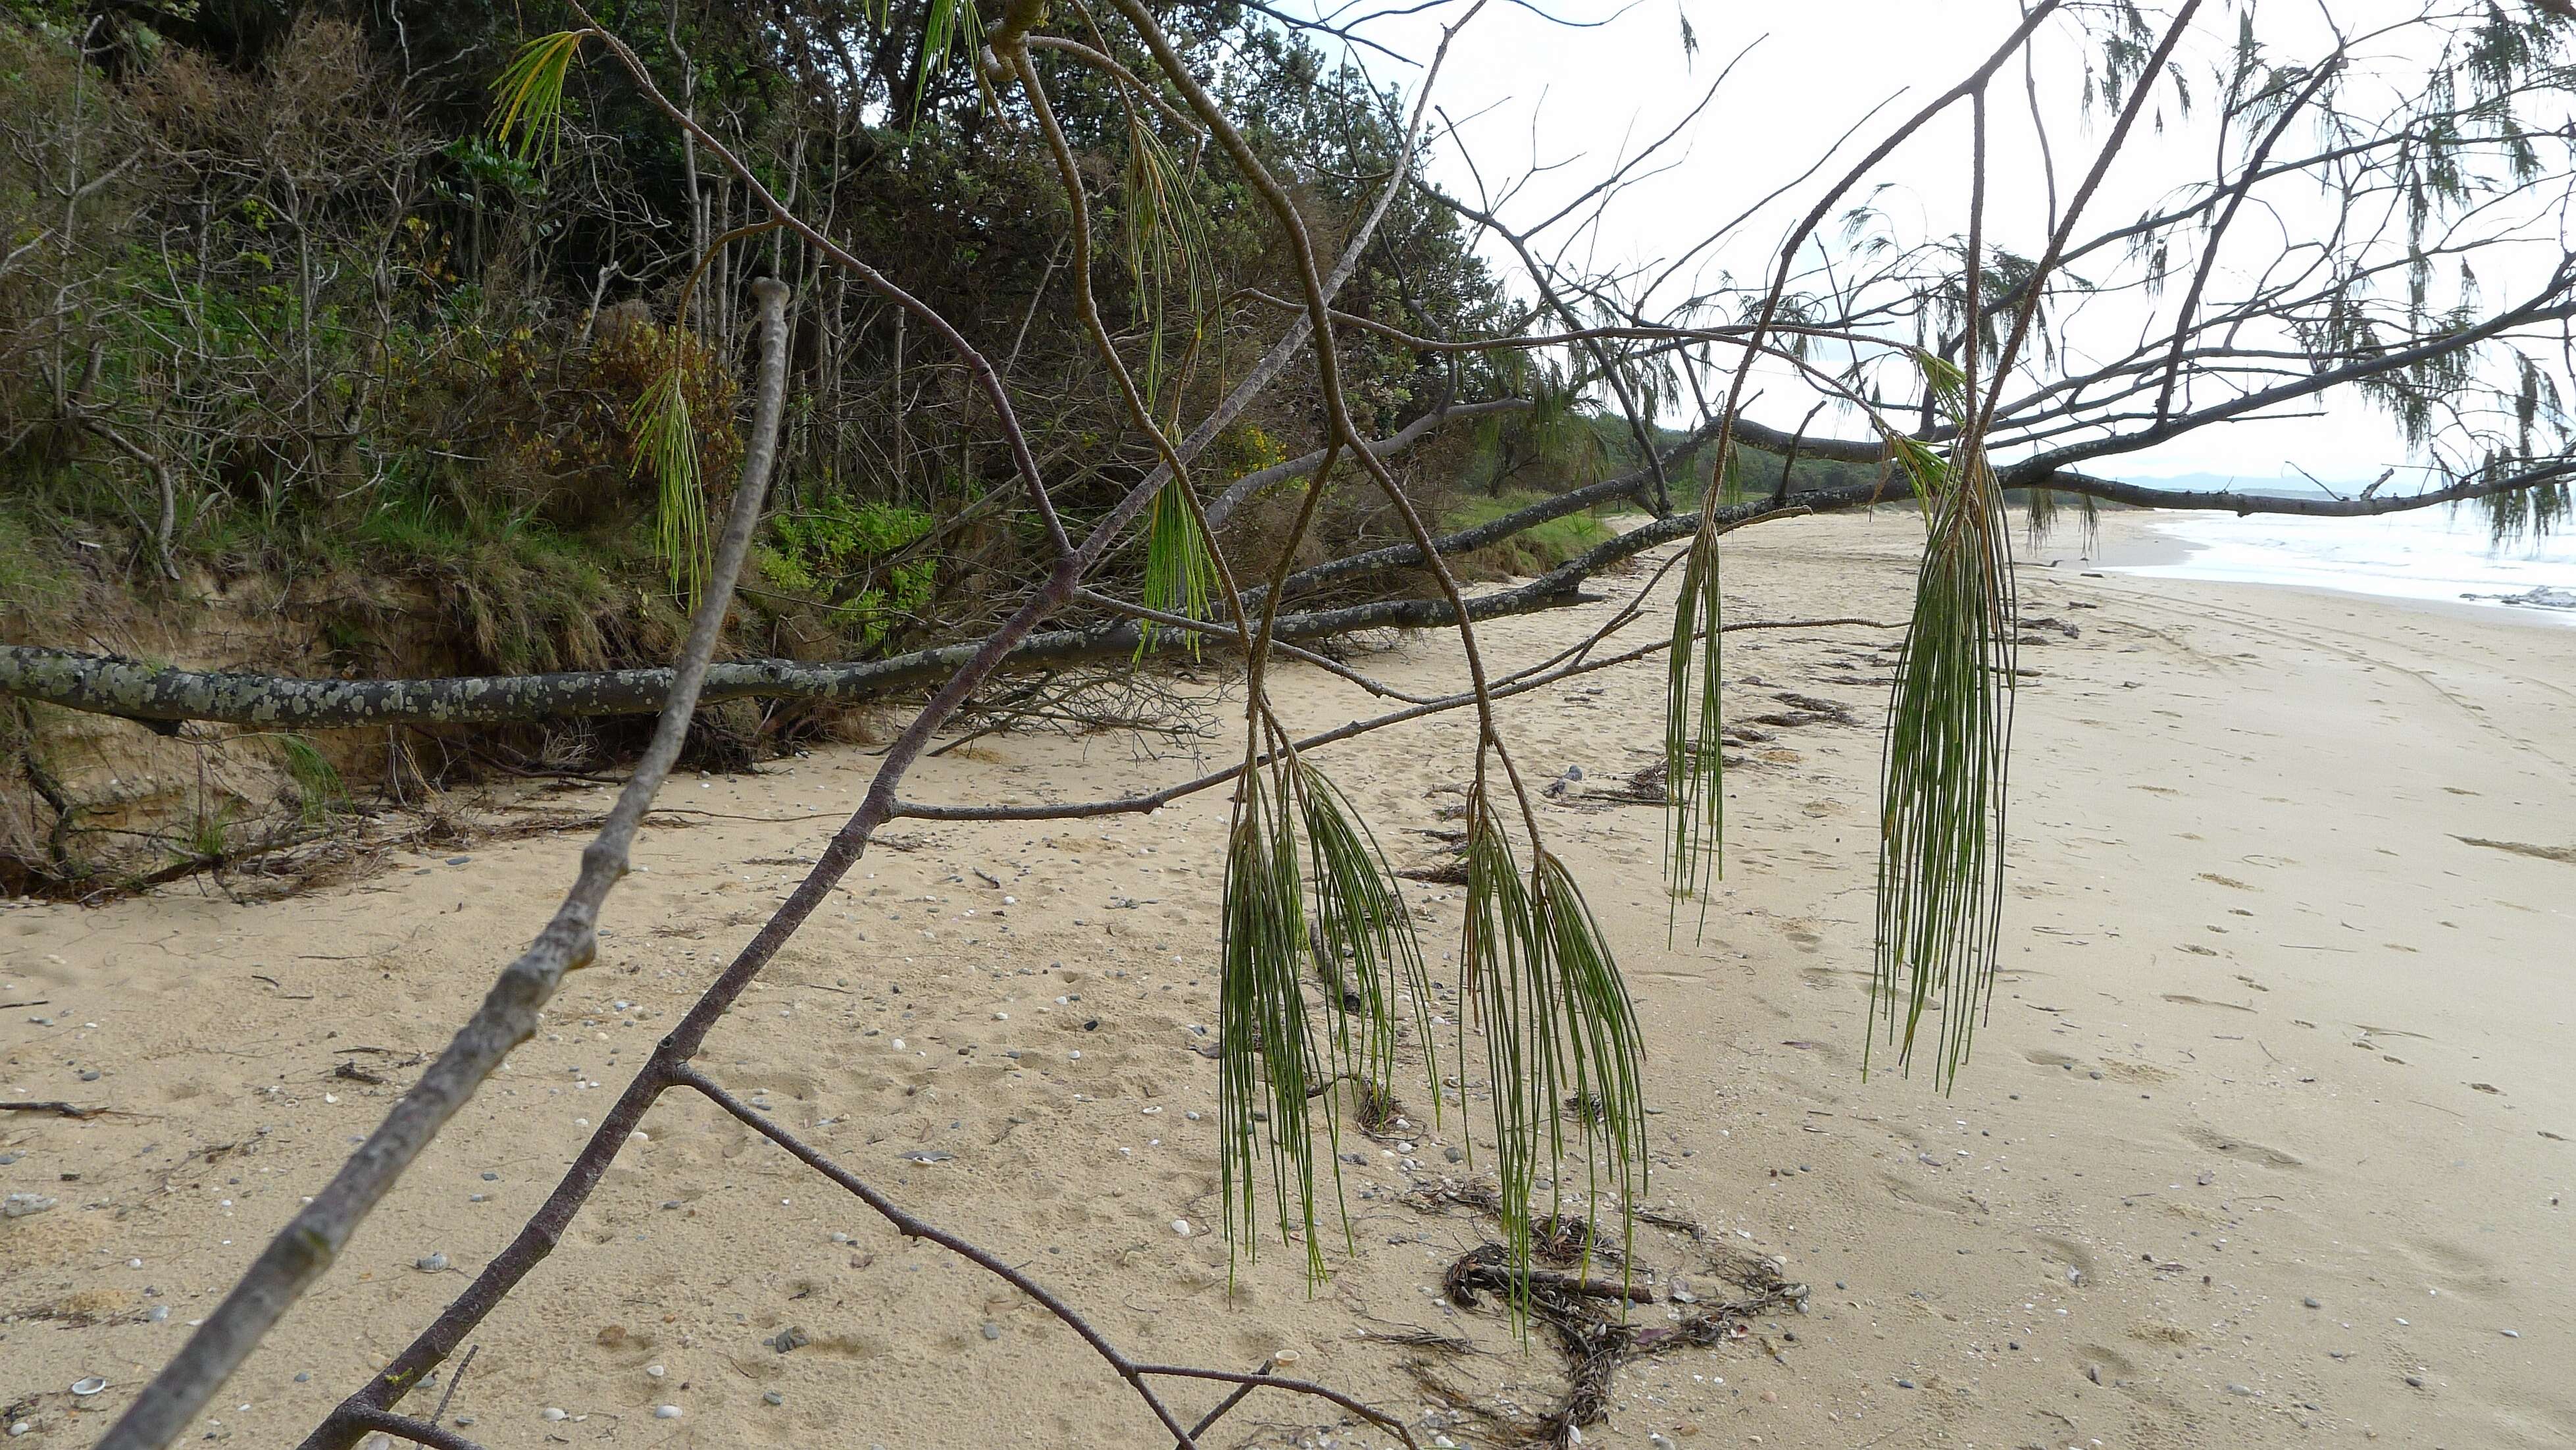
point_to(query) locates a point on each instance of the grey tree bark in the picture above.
(509, 1015)
(109, 685)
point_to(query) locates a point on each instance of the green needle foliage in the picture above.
(1561, 1035)
(1266, 1056)
(665, 442)
(2046, 504)
(1180, 573)
(1949, 732)
(1694, 771)
(530, 94)
(1366, 952)
(1340, 925)
(953, 30)
(1164, 236)
(1166, 249)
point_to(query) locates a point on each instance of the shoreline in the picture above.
(2265, 1141)
(2150, 547)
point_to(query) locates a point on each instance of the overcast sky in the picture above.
(1527, 93)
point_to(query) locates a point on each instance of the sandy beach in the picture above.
(2265, 1143)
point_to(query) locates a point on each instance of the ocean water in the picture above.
(2429, 554)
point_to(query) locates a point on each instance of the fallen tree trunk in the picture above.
(152, 694)
(109, 685)
(162, 696)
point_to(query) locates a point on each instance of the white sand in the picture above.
(2272, 1030)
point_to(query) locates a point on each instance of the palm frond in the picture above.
(529, 93)
(1560, 1034)
(664, 441)
(1694, 770)
(1949, 731)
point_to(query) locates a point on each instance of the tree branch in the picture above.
(305, 1248)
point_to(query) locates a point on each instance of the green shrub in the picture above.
(846, 557)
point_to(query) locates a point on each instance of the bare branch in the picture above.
(304, 1249)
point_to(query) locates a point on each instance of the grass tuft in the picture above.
(318, 787)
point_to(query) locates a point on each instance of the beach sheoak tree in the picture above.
(2430, 154)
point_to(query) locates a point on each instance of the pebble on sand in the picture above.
(430, 1263)
(1181, 1226)
(666, 1412)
